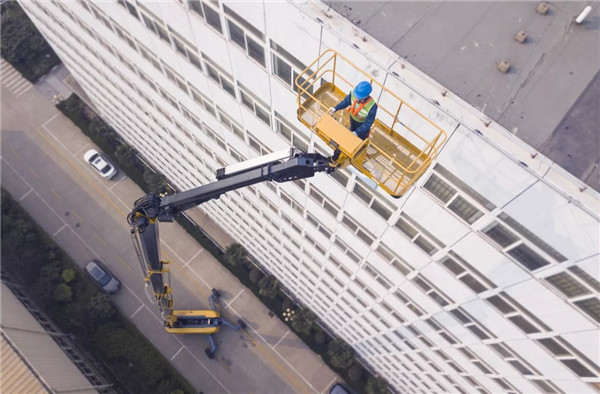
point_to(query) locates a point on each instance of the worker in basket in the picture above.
(362, 109)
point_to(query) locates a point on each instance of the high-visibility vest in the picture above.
(359, 111)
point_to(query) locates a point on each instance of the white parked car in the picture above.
(100, 163)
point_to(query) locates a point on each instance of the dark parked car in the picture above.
(102, 276)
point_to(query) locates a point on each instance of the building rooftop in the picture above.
(549, 96)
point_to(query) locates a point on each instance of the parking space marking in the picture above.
(123, 177)
(180, 349)
(234, 298)
(58, 231)
(82, 148)
(51, 119)
(330, 384)
(26, 194)
(124, 263)
(192, 258)
(281, 339)
(206, 369)
(137, 310)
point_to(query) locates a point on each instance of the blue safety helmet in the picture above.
(362, 90)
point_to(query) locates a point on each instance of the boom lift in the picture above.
(394, 155)
(283, 166)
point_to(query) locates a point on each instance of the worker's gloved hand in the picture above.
(354, 132)
(331, 110)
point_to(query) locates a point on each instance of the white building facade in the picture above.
(482, 277)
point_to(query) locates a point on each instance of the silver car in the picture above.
(102, 276)
(100, 163)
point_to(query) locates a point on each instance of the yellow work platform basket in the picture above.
(394, 155)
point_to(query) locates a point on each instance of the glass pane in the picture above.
(247, 100)
(465, 210)
(228, 87)
(556, 348)
(502, 305)
(519, 366)
(362, 193)
(527, 257)
(212, 72)
(591, 306)
(438, 298)
(587, 278)
(406, 228)
(500, 234)
(460, 316)
(477, 331)
(263, 115)
(424, 244)
(464, 187)
(256, 51)
(236, 34)
(579, 368)
(568, 285)
(473, 283)
(452, 266)
(523, 324)
(381, 210)
(196, 7)
(213, 18)
(439, 188)
(282, 70)
(340, 177)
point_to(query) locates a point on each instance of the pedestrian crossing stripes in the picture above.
(12, 79)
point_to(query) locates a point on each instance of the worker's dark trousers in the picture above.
(353, 126)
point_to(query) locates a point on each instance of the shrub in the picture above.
(376, 386)
(68, 275)
(235, 253)
(303, 321)
(255, 275)
(340, 354)
(62, 293)
(269, 287)
(99, 309)
(355, 373)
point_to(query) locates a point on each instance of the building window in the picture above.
(348, 251)
(521, 244)
(509, 355)
(246, 36)
(220, 76)
(456, 195)
(254, 104)
(231, 125)
(573, 359)
(377, 205)
(418, 235)
(516, 313)
(357, 229)
(318, 225)
(287, 68)
(129, 6)
(155, 26)
(478, 362)
(466, 273)
(258, 146)
(290, 134)
(472, 324)
(441, 331)
(323, 201)
(410, 304)
(433, 292)
(206, 12)
(378, 276)
(395, 261)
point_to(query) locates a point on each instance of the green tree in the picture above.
(62, 293)
(100, 309)
(235, 253)
(155, 182)
(320, 336)
(376, 386)
(340, 354)
(303, 321)
(125, 154)
(74, 104)
(255, 275)
(68, 275)
(268, 287)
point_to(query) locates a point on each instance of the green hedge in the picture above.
(73, 302)
(22, 45)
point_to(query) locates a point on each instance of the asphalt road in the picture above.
(43, 168)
